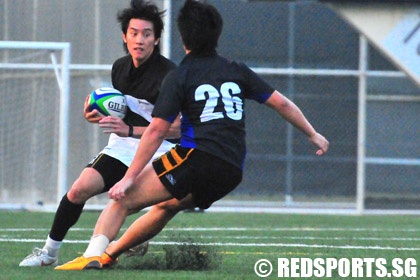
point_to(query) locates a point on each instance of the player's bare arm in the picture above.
(174, 130)
(290, 112)
(119, 127)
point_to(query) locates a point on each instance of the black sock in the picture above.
(66, 216)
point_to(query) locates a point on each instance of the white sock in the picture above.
(97, 246)
(52, 246)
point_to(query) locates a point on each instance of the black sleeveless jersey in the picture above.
(210, 92)
(143, 82)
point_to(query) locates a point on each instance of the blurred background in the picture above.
(350, 92)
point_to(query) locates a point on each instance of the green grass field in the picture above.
(233, 243)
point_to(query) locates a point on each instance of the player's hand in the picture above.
(114, 125)
(118, 191)
(321, 142)
(91, 116)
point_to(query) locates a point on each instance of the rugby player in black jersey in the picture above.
(138, 75)
(209, 91)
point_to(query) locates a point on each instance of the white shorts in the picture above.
(124, 148)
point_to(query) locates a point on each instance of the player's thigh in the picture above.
(89, 183)
(146, 191)
(110, 169)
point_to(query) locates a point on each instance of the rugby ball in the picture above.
(109, 102)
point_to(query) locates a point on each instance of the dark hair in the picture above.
(139, 9)
(200, 26)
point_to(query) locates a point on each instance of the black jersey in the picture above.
(209, 91)
(142, 82)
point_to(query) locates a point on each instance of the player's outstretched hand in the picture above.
(92, 116)
(114, 125)
(321, 142)
(118, 191)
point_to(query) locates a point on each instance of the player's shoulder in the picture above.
(229, 65)
(160, 65)
(121, 62)
(239, 68)
(240, 65)
(169, 63)
(230, 68)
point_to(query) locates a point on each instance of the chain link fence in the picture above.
(306, 52)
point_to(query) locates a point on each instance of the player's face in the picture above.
(140, 39)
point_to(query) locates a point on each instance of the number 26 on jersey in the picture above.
(232, 104)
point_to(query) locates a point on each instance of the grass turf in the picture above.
(231, 244)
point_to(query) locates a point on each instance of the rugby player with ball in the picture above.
(138, 75)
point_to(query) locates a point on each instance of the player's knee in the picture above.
(76, 195)
(174, 205)
(166, 207)
(81, 192)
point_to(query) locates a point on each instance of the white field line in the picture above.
(262, 238)
(231, 244)
(235, 244)
(307, 229)
(305, 238)
(290, 245)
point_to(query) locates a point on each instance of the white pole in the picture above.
(97, 80)
(166, 35)
(64, 123)
(361, 138)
